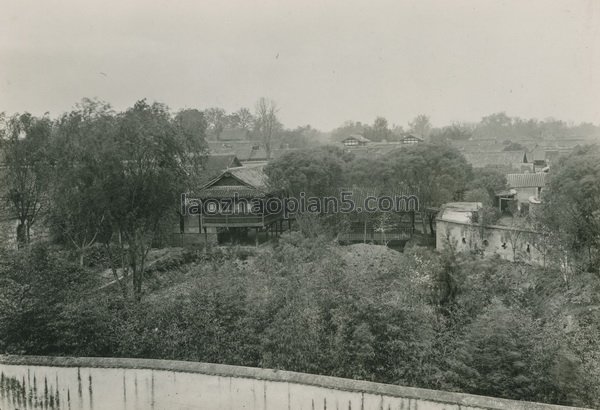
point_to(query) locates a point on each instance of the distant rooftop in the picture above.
(461, 212)
(357, 137)
(527, 180)
(485, 158)
(245, 181)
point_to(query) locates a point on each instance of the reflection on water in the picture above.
(61, 388)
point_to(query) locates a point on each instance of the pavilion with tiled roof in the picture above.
(235, 201)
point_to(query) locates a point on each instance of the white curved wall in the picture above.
(28, 383)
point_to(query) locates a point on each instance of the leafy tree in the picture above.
(315, 172)
(143, 176)
(570, 208)
(498, 125)
(35, 284)
(454, 132)
(348, 128)
(79, 208)
(421, 126)
(193, 125)
(478, 195)
(25, 140)
(510, 354)
(192, 130)
(484, 186)
(366, 172)
(300, 137)
(397, 131)
(552, 128)
(379, 131)
(121, 179)
(436, 173)
(384, 224)
(490, 180)
(216, 120)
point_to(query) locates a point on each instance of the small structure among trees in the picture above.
(527, 185)
(411, 140)
(232, 205)
(355, 140)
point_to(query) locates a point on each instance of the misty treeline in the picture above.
(261, 124)
(498, 126)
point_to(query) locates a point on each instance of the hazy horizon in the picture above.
(322, 62)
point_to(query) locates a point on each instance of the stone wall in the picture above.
(110, 383)
(513, 244)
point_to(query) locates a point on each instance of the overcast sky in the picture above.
(323, 62)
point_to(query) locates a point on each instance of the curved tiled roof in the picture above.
(250, 181)
(485, 158)
(537, 179)
(251, 175)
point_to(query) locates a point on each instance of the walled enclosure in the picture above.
(512, 244)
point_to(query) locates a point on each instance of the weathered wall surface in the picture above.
(508, 243)
(96, 383)
(8, 232)
(523, 194)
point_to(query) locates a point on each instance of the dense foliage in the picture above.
(99, 176)
(447, 321)
(314, 172)
(571, 210)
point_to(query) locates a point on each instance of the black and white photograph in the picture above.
(299, 205)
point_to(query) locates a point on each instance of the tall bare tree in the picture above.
(245, 118)
(266, 122)
(216, 119)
